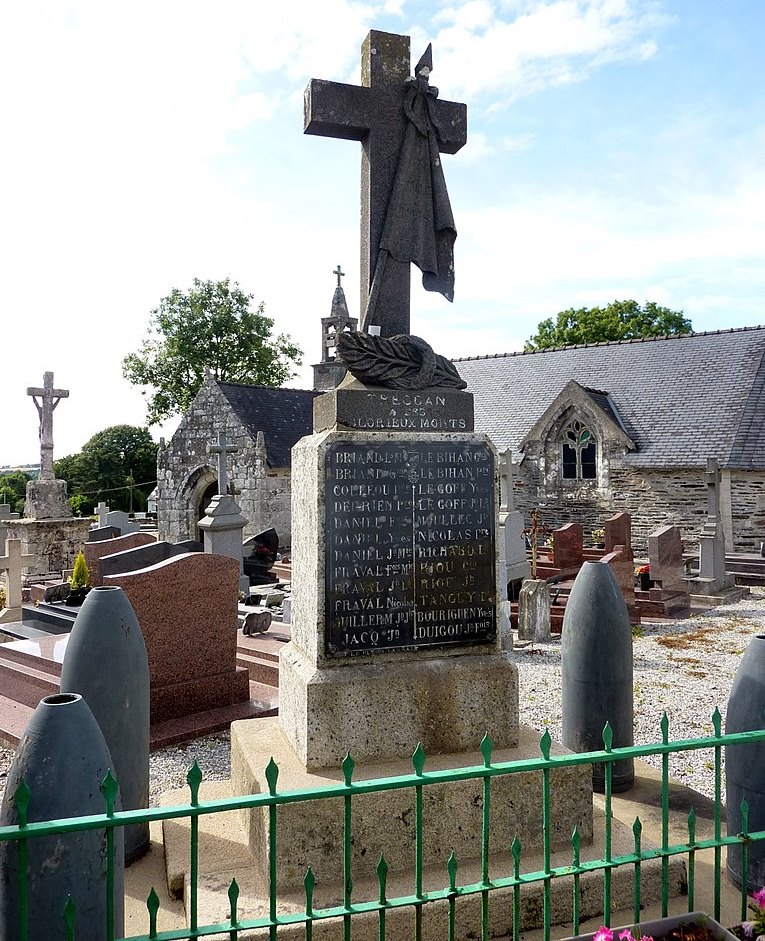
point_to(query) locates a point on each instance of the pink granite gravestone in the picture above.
(568, 547)
(95, 551)
(622, 564)
(618, 530)
(665, 557)
(187, 609)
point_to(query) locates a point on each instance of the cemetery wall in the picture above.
(53, 543)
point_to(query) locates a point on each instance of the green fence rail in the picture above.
(452, 891)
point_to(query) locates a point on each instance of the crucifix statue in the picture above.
(48, 400)
(222, 449)
(403, 128)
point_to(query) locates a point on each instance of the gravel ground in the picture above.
(685, 668)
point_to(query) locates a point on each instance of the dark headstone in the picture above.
(99, 533)
(260, 553)
(57, 592)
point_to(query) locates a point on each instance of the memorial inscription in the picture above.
(410, 542)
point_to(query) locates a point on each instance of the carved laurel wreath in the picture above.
(399, 362)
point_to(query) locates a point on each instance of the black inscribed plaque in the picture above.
(410, 545)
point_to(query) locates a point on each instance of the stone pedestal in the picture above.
(47, 499)
(54, 543)
(222, 529)
(712, 578)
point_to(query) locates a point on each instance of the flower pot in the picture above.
(596, 671)
(63, 758)
(645, 581)
(77, 596)
(745, 764)
(662, 926)
(106, 662)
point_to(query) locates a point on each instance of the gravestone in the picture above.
(100, 533)
(102, 511)
(665, 558)
(260, 553)
(121, 521)
(144, 555)
(618, 532)
(12, 563)
(622, 564)
(568, 547)
(187, 609)
(223, 522)
(534, 611)
(712, 578)
(94, 552)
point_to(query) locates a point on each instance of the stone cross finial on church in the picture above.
(374, 113)
(340, 274)
(713, 488)
(12, 563)
(48, 400)
(102, 509)
(222, 449)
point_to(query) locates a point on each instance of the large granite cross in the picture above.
(222, 449)
(49, 399)
(373, 113)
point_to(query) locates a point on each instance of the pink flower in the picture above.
(748, 927)
(759, 898)
(626, 935)
(646, 937)
(603, 934)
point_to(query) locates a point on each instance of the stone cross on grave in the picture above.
(222, 449)
(506, 501)
(713, 477)
(102, 509)
(12, 563)
(375, 114)
(49, 399)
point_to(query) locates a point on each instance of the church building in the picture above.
(593, 430)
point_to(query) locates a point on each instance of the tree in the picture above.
(118, 465)
(212, 327)
(620, 320)
(13, 490)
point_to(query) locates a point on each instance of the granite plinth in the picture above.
(384, 822)
(54, 543)
(366, 408)
(379, 711)
(47, 499)
(97, 550)
(187, 609)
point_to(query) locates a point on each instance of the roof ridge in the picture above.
(253, 385)
(581, 346)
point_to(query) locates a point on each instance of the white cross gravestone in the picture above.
(12, 563)
(102, 509)
(223, 523)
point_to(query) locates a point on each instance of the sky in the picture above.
(616, 149)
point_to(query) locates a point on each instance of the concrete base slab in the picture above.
(717, 597)
(7, 615)
(224, 854)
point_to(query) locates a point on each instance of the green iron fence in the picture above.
(452, 891)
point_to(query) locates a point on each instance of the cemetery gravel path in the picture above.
(685, 668)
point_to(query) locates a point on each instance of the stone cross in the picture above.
(102, 509)
(506, 502)
(713, 477)
(340, 274)
(49, 399)
(373, 113)
(11, 563)
(222, 449)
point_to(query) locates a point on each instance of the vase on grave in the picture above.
(106, 662)
(596, 671)
(745, 764)
(63, 758)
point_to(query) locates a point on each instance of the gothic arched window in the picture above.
(579, 452)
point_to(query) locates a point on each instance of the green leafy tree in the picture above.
(211, 327)
(620, 320)
(13, 490)
(118, 465)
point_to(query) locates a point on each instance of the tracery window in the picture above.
(579, 452)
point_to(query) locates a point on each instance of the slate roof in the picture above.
(283, 415)
(680, 399)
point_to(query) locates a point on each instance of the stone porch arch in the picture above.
(195, 496)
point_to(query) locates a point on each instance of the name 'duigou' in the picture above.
(410, 546)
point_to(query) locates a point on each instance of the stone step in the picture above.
(44, 652)
(265, 646)
(14, 717)
(25, 684)
(262, 669)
